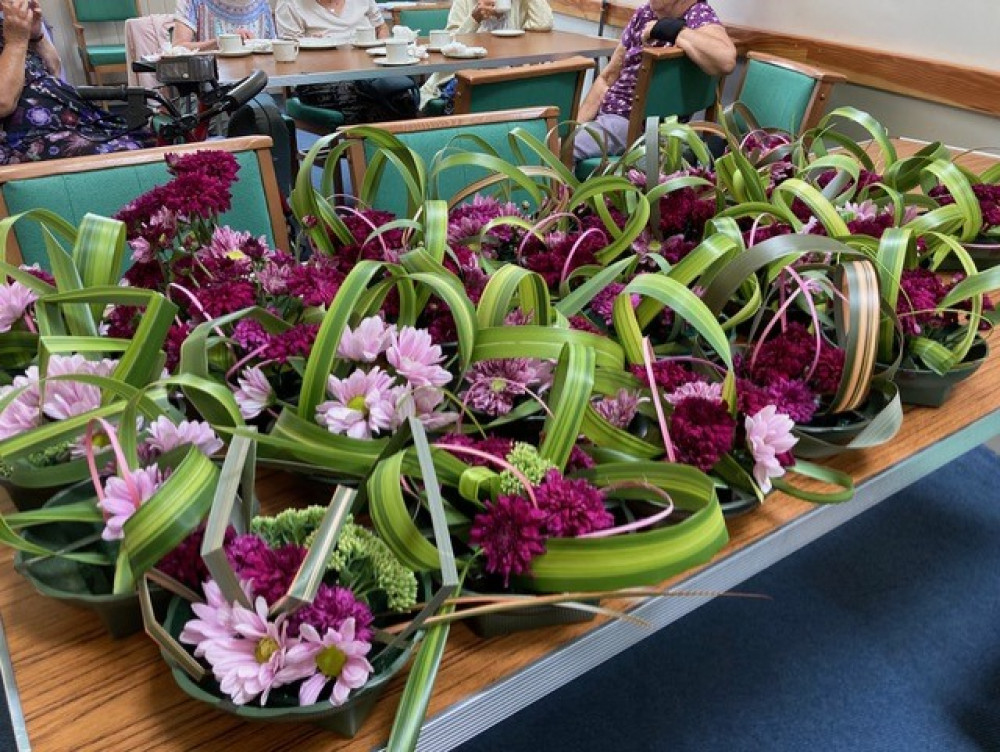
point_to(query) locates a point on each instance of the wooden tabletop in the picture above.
(85, 692)
(327, 66)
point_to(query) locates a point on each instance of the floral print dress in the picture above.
(52, 121)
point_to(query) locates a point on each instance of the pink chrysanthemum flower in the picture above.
(64, 399)
(510, 535)
(22, 413)
(336, 656)
(495, 384)
(416, 358)
(769, 434)
(123, 497)
(367, 341)
(620, 409)
(215, 618)
(701, 389)
(14, 301)
(229, 243)
(253, 662)
(165, 435)
(422, 403)
(363, 404)
(254, 393)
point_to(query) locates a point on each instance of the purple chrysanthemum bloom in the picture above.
(467, 220)
(254, 393)
(165, 435)
(249, 334)
(603, 304)
(337, 656)
(14, 301)
(270, 571)
(572, 507)
(920, 293)
(494, 384)
(366, 342)
(769, 434)
(667, 374)
(184, 562)
(620, 409)
(363, 404)
(702, 431)
(294, 342)
(332, 606)
(123, 497)
(275, 271)
(794, 398)
(701, 389)
(510, 535)
(495, 446)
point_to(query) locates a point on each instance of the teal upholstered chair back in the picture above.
(670, 83)
(782, 94)
(428, 136)
(423, 19)
(103, 184)
(96, 11)
(99, 59)
(556, 84)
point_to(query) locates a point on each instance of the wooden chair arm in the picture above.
(492, 75)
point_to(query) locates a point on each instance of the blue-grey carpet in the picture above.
(883, 635)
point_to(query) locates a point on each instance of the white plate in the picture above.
(507, 32)
(376, 50)
(409, 61)
(259, 47)
(467, 55)
(317, 43)
(234, 53)
(366, 45)
(432, 48)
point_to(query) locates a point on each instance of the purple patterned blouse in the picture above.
(619, 97)
(51, 121)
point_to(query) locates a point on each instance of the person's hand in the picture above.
(36, 19)
(18, 20)
(646, 31)
(484, 9)
(245, 34)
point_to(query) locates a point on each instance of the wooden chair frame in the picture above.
(259, 144)
(825, 81)
(94, 73)
(650, 57)
(357, 162)
(469, 79)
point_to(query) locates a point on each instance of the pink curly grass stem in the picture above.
(647, 359)
(521, 477)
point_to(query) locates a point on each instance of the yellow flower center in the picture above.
(358, 403)
(265, 649)
(331, 661)
(235, 255)
(498, 385)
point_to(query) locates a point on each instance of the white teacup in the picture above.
(397, 50)
(230, 42)
(405, 33)
(501, 6)
(364, 35)
(439, 38)
(285, 50)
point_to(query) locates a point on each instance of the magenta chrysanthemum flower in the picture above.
(216, 163)
(337, 656)
(165, 435)
(667, 374)
(254, 393)
(332, 606)
(184, 562)
(510, 535)
(920, 293)
(702, 431)
(14, 301)
(253, 662)
(572, 507)
(467, 220)
(363, 404)
(495, 446)
(269, 571)
(367, 341)
(603, 304)
(794, 398)
(495, 384)
(620, 409)
(297, 341)
(124, 495)
(769, 434)
(416, 358)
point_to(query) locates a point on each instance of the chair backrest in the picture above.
(429, 17)
(98, 11)
(782, 93)
(558, 83)
(670, 83)
(428, 136)
(102, 184)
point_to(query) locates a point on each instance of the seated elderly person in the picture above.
(688, 24)
(362, 101)
(471, 16)
(199, 22)
(42, 116)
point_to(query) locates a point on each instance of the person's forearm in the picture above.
(382, 32)
(49, 55)
(592, 102)
(708, 47)
(12, 60)
(184, 37)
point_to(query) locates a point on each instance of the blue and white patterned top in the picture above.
(209, 18)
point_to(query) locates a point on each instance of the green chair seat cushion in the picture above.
(586, 167)
(319, 117)
(106, 54)
(106, 191)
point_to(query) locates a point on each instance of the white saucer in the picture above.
(259, 48)
(465, 55)
(432, 48)
(366, 45)
(409, 61)
(376, 50)
(234, 53)
(317, 43)
(507, 32)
